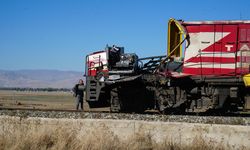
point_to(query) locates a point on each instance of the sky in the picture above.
(58, 34)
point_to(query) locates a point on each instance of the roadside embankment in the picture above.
(84, 133)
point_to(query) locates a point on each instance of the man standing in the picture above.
(79, 93)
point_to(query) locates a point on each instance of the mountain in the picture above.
(39, 78)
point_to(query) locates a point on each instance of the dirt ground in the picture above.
(41, 100)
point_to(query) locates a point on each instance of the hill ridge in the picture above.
(39, 78)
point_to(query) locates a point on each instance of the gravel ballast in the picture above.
(122, 116)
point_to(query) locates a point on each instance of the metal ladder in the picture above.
(92, 90)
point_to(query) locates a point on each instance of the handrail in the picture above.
(164, 60)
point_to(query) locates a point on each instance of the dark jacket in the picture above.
(79, 90)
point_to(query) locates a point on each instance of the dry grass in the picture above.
(69, 138)
(36, 100)
(40, 100)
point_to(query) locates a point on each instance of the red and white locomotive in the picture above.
(206, 69)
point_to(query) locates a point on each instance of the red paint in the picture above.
(94, 72)
(210, 71)
(234, 38)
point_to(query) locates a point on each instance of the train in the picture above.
(206, 68)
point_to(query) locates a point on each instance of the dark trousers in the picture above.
(79, 101)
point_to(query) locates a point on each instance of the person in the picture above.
(78, 91)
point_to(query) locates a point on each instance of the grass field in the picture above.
(60, 136)
(39, 100)
(36, 100)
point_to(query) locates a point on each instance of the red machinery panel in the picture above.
(217, 48)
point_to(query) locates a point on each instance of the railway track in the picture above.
(73, 114)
